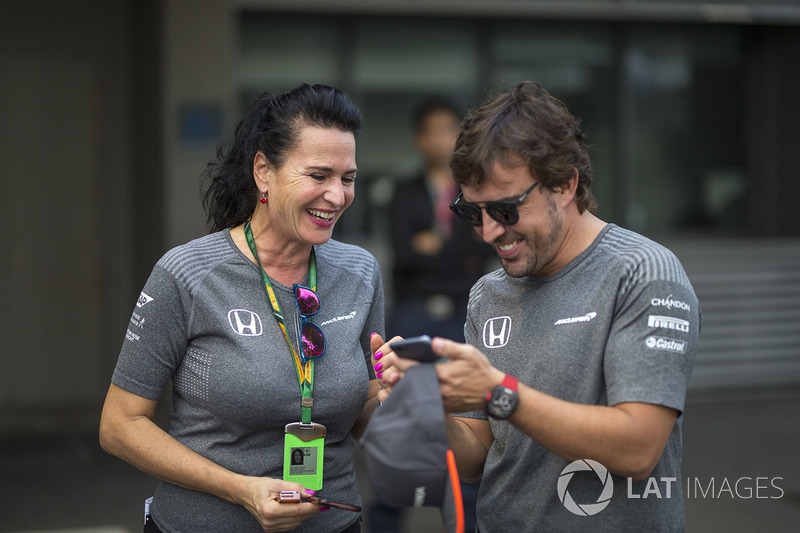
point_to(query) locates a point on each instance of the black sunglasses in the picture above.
(504, 212)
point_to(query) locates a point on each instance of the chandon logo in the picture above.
(245, 322)
(669, 303)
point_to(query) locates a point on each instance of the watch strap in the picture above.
(510, 382)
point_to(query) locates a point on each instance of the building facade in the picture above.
(111, 109)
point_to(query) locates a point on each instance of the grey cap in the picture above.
(406, 448)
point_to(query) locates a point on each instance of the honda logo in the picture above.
(496, 332)
(245, 322)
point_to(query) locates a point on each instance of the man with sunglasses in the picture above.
(570, 388)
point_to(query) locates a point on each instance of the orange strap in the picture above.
(457, 497)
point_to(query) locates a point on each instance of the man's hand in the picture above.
(427, 243)
(466, 378)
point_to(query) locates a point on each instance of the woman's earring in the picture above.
(263, 198)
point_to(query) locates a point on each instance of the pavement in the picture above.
(741, 473)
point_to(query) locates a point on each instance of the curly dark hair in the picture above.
(271, 125)
(525, 123)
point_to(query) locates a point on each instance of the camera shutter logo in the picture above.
(244, 322)
(497, 331)
(585, 509)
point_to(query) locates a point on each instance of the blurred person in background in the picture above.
(435, 258)
(570, 388)
(253, 328)
(435, 261)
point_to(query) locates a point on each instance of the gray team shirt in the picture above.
(620, 323)
(203, 322)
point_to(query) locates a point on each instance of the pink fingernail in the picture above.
(378, 355)
(378, 367)
(309, 491)
(373, 334)
(379, 375)
(323, 509)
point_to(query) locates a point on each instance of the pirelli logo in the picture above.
(668, 322)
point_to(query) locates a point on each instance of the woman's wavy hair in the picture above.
(271, 125)
(525, 123)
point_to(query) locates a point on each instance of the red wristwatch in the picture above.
(502, 401)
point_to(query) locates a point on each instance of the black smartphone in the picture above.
(294, 496)
(416, 348)
(333, 503)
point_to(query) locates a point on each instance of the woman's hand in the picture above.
(261, 499)
(389, 368)
(128, 431)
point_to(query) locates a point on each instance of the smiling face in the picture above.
(313, 187)
(532, 245)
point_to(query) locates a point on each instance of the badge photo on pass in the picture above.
(303, 454)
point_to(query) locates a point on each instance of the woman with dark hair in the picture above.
(263, 327)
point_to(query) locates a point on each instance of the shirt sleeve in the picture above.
(156, 338)
(652, 344)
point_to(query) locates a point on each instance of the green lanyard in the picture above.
(305, 374)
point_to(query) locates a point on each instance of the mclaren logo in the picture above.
(572, 320)
(496, 332)
(245, 322)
